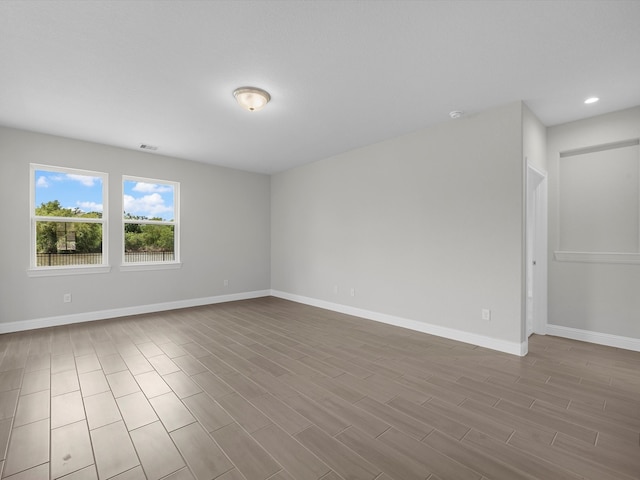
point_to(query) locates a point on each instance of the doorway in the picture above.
(536, 252)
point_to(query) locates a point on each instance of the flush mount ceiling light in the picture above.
(251, 98)
(456, 114)
(591, 100)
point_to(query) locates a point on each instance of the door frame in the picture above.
(536, 252)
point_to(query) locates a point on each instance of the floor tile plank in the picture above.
(473, 458)
(152, 384)
(181, 384)
(136, 410)
(112, 461)
(247, 455)
(281, 414)
(66, 408)
(28, 447)
(427, 415)
(70, 449)
(203, 456)
(243, 412)
(299, 462)
(101, 409)
(157, 453)
(386, 458)
(438, 463)
(344, 461)
(122, 383)
(208, 412)
(172, 411)
(32, 407)
(93, 382)
(537, 467)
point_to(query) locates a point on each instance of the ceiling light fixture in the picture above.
(456, 114)
(251, 98)
(591, 100)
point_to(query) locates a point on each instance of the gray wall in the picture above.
(534, 139)
(225, 221)
(426, 227)
(596, 297)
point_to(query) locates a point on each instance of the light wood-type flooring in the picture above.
(270, 389)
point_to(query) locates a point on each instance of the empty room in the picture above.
(320, 240)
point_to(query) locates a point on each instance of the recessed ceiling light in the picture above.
(251, 98)
(591, 100)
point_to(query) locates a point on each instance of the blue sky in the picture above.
(85, 192)
(148, 199)
(73, 191)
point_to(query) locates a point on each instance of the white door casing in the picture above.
(536, 252)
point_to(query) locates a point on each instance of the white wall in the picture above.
(426, 227)
(225, 221)
(591, 297)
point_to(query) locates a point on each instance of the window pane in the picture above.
(148, 201)
(65, 194)
(148, 243)
(68, 243)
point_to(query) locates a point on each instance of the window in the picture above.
(68, 220)
(151, 225)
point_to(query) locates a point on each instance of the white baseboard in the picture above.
(125, 311)
(607, 339)
(513, 348)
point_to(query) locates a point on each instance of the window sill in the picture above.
(597, 257)
(57, 271)
(137, 267)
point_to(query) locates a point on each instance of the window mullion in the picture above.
(39, 218)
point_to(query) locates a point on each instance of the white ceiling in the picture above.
(342, 74)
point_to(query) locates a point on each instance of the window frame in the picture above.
(34, 270)
(138, 266)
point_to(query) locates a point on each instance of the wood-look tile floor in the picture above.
(269, 389)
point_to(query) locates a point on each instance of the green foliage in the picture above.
(88, 237)
(140, 237)
(81, 237)
(149, 238)
(52, 208)
(55, 237)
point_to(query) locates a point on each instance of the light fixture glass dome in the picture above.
(251, 98)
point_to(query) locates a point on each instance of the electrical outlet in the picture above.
(353, 292)
(226, 283)
(486, 314)
(66, 298)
